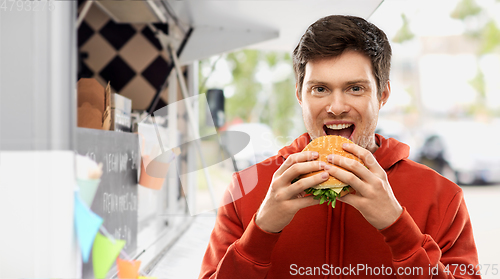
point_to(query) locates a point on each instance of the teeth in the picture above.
(338, 127)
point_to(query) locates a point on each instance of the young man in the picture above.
(404, 221)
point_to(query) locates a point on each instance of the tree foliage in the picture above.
(488, 37)
(273, 104)
(464, 9)
(241, 104)
(404, 33)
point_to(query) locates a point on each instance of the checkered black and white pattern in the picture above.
(127, 55)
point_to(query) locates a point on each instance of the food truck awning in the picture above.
(221, 26)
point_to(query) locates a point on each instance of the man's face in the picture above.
(339, 97)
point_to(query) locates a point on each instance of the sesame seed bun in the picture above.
(325, 146)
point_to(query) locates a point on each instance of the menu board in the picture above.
(116, 198)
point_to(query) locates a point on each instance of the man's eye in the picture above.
(319, 89)
(356, 89)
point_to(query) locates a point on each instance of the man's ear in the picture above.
(297, 95)
(385, 95)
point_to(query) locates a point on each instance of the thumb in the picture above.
(305, 202)
(351, 199)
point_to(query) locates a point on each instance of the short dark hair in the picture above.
(332, 35)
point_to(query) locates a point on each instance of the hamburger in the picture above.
(329, 190)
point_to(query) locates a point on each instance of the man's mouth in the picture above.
(344, 130)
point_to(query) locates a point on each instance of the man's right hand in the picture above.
(285, 198)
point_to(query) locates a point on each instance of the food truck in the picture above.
(67, 65)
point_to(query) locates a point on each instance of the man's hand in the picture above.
(374, 197)
(285, 198)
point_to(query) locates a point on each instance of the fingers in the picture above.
(354, 173)
(365, 155)
(352, 199)
(296, 158)
(304, 202)
(374, 198)
(349, 171)
(301, 168)
(305, 183)
(295, 165)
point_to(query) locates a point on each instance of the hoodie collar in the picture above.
(297, 146)
(390, 151)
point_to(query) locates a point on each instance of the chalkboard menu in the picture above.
(116, 198)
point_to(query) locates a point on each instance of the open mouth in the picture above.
(343, 130)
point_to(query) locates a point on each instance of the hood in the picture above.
(297, 146)
(390, 151)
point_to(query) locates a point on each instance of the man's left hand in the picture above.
(374, 197)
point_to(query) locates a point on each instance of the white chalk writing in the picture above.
(117, 162)
(124, 233)
(122, 203)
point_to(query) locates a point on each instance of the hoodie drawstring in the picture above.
(342, 227)
(328, 236)
(341, 239)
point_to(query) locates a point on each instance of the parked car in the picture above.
(466, 152)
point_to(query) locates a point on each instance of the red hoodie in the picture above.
(433, 232)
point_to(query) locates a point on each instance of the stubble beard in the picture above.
(367, 137)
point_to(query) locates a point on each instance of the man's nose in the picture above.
(337, 104)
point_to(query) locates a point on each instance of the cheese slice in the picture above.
(337, 190)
